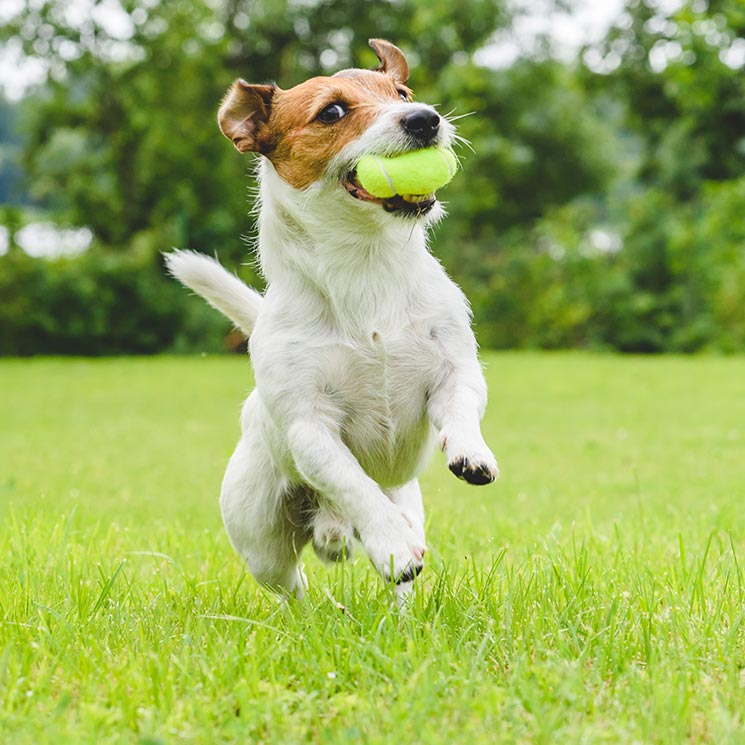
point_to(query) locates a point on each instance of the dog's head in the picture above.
(315, 133)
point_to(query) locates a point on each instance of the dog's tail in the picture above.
(221, 289)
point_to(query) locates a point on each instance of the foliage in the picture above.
(676, 285)
(98, 303)
(130, 145)
(10, 145)
(536, 139)
(641, 147)
(681, 83)
(680, 94)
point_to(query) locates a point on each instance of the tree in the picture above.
(123, 137)
(680, 76)
(10, 146)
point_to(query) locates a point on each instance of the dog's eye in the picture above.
(403, 95)
(332, 113)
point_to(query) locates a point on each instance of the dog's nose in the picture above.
(422, 123)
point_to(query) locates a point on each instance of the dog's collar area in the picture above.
(408, 206)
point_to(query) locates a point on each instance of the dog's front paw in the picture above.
(477, 471)
(473, 463)
(394, 548)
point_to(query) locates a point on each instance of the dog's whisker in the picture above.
(466, 144)
(450, 118)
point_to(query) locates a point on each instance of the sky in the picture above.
(588, 22)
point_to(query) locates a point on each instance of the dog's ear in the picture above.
(392, 60)
(243, 111)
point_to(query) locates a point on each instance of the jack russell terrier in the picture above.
(361, 346)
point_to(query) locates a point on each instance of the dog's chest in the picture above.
(384, 388)
(391, 368)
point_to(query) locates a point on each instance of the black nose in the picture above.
(422, 123)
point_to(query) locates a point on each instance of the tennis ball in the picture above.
(417, 172)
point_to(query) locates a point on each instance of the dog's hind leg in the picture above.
(264, 517)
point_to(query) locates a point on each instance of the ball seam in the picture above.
(385, 174)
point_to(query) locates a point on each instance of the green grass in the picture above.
(594, 594)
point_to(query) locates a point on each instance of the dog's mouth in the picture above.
(409, 205)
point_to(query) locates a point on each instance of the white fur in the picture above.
(363, 353)
(222, 290)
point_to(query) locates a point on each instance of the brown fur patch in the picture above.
(298, 144)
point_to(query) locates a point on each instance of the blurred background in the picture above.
(603, 206)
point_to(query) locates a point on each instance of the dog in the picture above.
(361, 346)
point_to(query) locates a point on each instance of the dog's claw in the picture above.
(475, 473)
(409, 574)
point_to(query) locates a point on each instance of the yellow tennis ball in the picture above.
(417, 172)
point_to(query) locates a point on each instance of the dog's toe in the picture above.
(456, 465)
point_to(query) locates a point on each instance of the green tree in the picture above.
(680, 76)
(10, 148)
(123, 137)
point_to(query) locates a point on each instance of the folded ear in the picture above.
(392, 60)
(243, 111)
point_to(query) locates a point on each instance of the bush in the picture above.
(100, 303)
(677, 284)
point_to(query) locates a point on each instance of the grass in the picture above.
(594, 594)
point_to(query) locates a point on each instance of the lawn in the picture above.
(595, 593)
